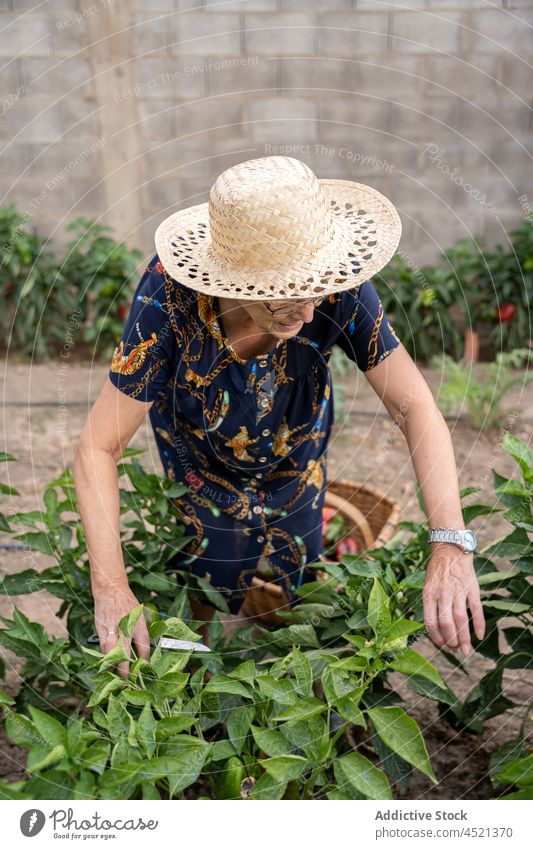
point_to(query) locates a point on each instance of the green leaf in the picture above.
(20, 583)
(361, 774)
(146, 730)
(272, 743)
(515, 544)
(150, 791)
(153, 581)
(518, 772)
(51, 784)
(496, 577)
(171, 726)
(301, 710)
(238, 724)
(401, 733)
(223, 684)
(41, 757)
(96, 756)
(356, 564)
(504, 755)
(300, 634)
(510, 486)
(181, 770)
(469, 490)
(347, 708)
(172, 627)
(521, 452)
(51, 502)
(281, 690)
(357, 621)
(39, 541)
(222, 750)
(214, 597)
(525, 793)
(5, 699)
(507, 605)
(20, 730)
(308, 611)
(168, 662)
(128, 622)
(414, 581)
(378, 609)
(475, 510)
(8, 490)
(113, 656)
(102, 693)
(118, 719)
(52, 732)
(5, 457)
(303, 672)
(244, 671)
(350, 664)
(398, 631)
(267, 787)
(412, 663)
(285, 767)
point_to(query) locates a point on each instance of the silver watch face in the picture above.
(470, 541)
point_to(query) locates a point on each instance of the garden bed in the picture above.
(460, 760)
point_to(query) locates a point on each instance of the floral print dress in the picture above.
(248, 436)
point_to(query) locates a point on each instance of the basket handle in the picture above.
(353, 513)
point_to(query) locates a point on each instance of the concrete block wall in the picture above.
(126, 110)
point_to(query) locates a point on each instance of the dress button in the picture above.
(263, 459)
(264, 402)
(257, 509)
(260, 539)
(263, 363)
(259, 474)
(265, 432)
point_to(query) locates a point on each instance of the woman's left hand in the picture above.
(451, 583)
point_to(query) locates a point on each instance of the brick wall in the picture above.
(126, 111)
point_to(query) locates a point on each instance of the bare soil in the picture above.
(41, 430)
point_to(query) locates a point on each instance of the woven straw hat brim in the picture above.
(365, 235)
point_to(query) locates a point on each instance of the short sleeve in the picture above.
(141, 364)
(365, 334)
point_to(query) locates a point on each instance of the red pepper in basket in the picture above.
(348, 545)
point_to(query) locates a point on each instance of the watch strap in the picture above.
(445, 535)
(453, 535)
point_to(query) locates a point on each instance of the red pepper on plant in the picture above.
(506, 312)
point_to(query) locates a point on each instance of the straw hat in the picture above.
(272, 230)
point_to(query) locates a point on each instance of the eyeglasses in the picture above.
(287, 309)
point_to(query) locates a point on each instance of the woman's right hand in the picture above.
(110, 605)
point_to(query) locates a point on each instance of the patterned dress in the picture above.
(248, 436)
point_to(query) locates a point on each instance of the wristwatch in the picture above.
(466, 540)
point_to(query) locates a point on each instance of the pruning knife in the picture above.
(168, 643)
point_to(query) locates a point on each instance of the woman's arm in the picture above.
(113, 420)
(451, 581)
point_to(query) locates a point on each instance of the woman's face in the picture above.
(283, 326)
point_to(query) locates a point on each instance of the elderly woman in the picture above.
(227, 345)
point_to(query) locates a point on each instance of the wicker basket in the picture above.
(380, 511)
(371, 518)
